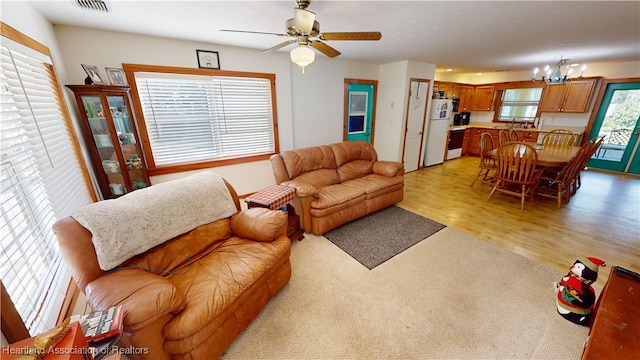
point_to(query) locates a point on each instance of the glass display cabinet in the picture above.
(111, 137)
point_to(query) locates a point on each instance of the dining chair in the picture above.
(513, 135)
(486, 163)
(559, 137)
(516, 172)
(503, 137)
(594, 145)
(558, 183)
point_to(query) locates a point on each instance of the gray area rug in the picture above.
(378, 237)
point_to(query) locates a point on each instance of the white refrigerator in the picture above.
(439, 120)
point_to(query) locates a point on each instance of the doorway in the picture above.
(415, 124)
(359, 104)
(618, 121)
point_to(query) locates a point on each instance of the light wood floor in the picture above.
(602, 220)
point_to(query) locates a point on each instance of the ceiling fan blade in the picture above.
(254, 32)
(324, 48)
(281, 45)
(364, 35)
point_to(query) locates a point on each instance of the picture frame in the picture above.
(116, 76)
(93, 75)
(208, 59)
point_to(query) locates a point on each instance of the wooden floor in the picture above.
(602, 220)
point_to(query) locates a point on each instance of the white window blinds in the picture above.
(192, 118)
(41, 181)
(520, 104)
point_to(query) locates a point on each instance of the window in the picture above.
(520, 104)
(40, 181)
(198, 119)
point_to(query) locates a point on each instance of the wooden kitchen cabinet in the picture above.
(529, 136)
(573, 96)
(483, 98)
(451, 90)
(111, 138)
(466, 98)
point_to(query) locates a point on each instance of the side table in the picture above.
(278, 197)
(615, 321)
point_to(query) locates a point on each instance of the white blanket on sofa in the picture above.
(140, 220)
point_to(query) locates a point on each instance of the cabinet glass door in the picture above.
(127, 140)
(105, 147)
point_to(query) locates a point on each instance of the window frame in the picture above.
(500, 88)
(152, 167)
(13, 326)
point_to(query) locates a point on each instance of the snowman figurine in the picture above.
(575, 296)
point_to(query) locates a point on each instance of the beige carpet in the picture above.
(451, 296)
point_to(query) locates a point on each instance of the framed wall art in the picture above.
(208, 59)
(116, 76)
(93, 75)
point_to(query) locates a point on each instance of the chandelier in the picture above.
(556, 76)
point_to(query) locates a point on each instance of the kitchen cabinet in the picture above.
(451, 90)
(111, 138)
(528, 136)
(471, 145)
(483, 98)
(466, 98)
(573, 96)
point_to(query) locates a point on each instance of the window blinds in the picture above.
(191, 118)
(41, 181)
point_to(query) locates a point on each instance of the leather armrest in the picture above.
(259, 224)
(302, 189)
(145, 296)
(388, 168)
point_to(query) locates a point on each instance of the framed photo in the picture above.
(208, 59)
(94, 74)
(116, 76)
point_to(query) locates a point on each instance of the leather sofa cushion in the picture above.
(305, 160)
(355, 169)
(212, 284)
(319, 178)
(353, 150)
(333, 195)
(181, 249)
(373, 183)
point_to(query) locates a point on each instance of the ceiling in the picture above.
(466, 36)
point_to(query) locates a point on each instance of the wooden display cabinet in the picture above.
(111, 137)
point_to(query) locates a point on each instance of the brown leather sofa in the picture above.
(189, 297)
(338, 183)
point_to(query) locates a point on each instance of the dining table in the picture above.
(548, 155)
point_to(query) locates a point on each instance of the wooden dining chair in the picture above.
(513, 135)
(563, 183)
(559, 137)
(516, 172)
(487, 164)
(594, 145)
(503, 137)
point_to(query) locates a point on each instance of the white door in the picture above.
(416, 118)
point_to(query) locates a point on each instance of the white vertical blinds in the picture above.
(191, 118)
(40, 181)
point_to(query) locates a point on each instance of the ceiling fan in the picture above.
(305, 31)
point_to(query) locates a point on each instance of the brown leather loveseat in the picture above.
(190, 296)
(338, 183)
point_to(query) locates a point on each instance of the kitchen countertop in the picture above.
(504, 126)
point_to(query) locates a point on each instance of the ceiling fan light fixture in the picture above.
(302, 56)
(303, 20)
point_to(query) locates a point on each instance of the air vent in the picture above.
(501, 70)
(98, 5)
